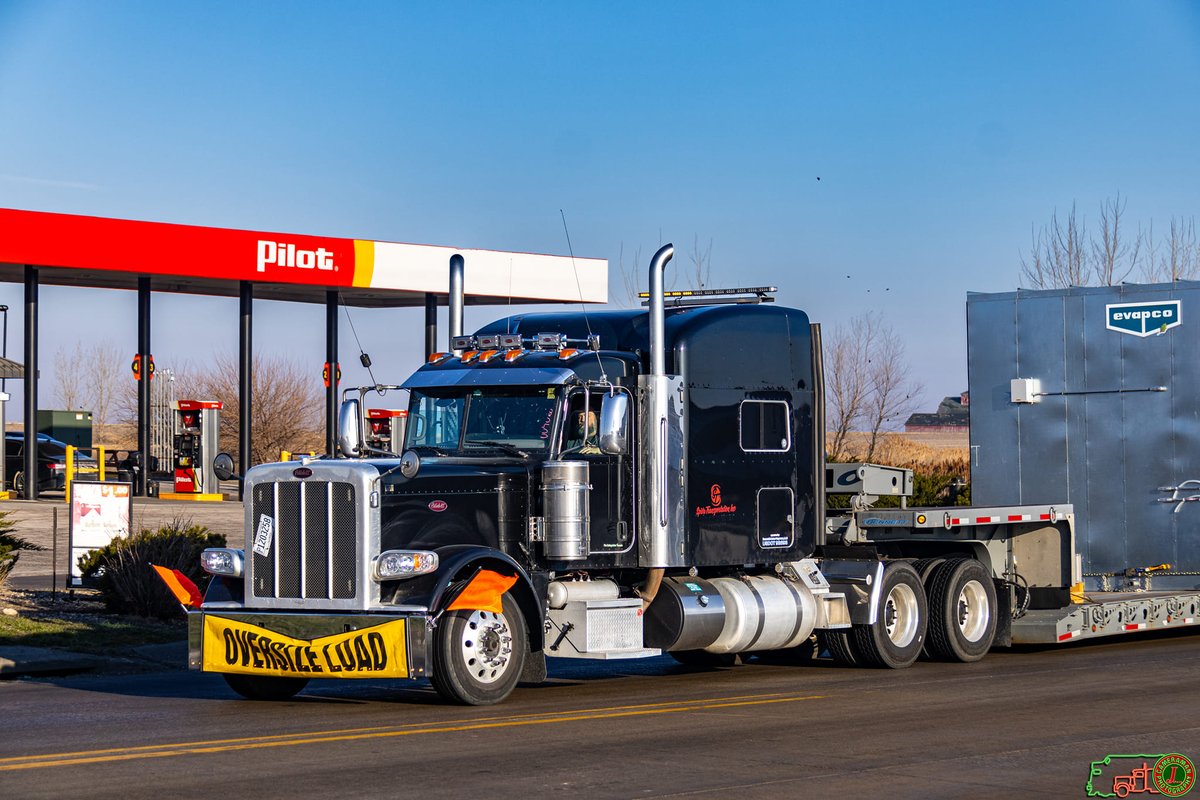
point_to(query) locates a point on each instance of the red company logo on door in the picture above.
(438, 505)
(714, 497)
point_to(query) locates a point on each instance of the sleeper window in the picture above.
(765, 426)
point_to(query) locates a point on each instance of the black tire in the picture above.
(704, 659)
(925, 568)
(962, 611)
(19, 483)
(478, 656)
(840, 645)
(896, 638)
(260, 687)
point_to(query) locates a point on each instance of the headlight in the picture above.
(223, 561)
(392, 564)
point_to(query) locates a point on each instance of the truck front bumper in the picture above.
(390, 644)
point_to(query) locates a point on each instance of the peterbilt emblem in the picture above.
(1143, 319)
(302, 472)
(437, 505)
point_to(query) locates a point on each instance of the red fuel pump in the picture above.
(197, 428)
(386, 429)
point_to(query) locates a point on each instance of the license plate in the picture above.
(375, 652)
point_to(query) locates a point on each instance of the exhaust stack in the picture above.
(662, 464)
(658, 267)
(456, 297)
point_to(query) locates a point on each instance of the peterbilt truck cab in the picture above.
(613, 484)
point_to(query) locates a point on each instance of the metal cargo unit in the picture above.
(1091, 396)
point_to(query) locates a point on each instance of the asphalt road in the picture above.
(1023, 723)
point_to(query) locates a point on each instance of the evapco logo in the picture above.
(281, 254)
(1143, 319)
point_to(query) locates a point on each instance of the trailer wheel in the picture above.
(840, 644)
(925, 568)
(259, 687)
(896, 638)
(962, 611)
(478, 655)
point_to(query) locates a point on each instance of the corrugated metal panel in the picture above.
(1106, 446)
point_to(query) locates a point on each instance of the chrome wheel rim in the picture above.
(901, 615)
(486, 646)
(973, 611)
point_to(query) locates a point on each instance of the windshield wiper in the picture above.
(505, 446)
(436, 450)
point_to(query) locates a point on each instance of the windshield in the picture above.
(502, 418)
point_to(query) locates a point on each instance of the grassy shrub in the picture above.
(121, 570)
(11, 546)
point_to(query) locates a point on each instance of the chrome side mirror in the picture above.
(350, 440)
(614, 425)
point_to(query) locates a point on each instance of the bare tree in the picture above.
(701, 259)
(696, 276)
(893, 393)
(847, 386)
(90, 378)
(629, 276)
(288, 402)
(1178, 258)
(69, 377)
(867, 384)
(1059, 254)
(1113, 257)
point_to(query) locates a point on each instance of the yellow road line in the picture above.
(377, 728)
(360, 734)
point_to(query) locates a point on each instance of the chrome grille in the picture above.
(313, 552)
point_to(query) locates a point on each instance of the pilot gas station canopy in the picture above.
(64, 249)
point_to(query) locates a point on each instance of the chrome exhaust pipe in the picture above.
(456, 297)
(658, 266)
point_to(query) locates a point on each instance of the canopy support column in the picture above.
(331, 367)
(142, 476)
(31, 380)
(245, 379)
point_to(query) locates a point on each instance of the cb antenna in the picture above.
(579, 288)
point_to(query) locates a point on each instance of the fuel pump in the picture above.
(386, 429)
(197, 427)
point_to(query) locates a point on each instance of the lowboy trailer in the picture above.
(618, 485)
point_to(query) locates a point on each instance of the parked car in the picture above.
(52, 462)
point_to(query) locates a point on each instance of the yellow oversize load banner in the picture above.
(375, 652)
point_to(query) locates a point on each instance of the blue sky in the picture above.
(941, 132)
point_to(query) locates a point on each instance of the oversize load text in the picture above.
(373, 652)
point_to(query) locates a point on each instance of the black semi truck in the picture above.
(618, 485)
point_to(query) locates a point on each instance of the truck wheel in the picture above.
(258, 687)
(962, 611)
(840, 645)
(478, 655)
(896, 638)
